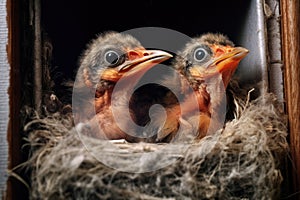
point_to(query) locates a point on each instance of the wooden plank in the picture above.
(37, 56)
(272, 14)
(4, 103)
(14, 136)
(291, 54)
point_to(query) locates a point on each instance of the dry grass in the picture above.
(242, 161)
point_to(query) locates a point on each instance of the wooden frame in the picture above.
(4, 102)
(14, 137)
(291, 55)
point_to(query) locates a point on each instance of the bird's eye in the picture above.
(200, 54)
(112, 57)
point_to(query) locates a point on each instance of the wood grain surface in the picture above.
(290, 11)
(4, 108)
(13, 134)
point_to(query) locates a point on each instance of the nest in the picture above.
(241, 161)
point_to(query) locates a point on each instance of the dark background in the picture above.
(70, 25)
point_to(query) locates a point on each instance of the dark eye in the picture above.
(200, 54)
(112, 57)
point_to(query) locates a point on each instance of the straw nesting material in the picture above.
(242, 161)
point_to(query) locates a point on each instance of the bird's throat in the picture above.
(103, 95)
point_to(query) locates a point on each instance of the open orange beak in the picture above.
(224, 63)
(227, 63)
(139, 61)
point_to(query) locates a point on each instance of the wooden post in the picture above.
(37, 56)
(14, 137)
(290, 11)
(4, 103)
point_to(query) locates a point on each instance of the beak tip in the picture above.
(242, 52)
(165, 54)
(246, 51)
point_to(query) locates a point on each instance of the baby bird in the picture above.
(98, 100)
(206, 65)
